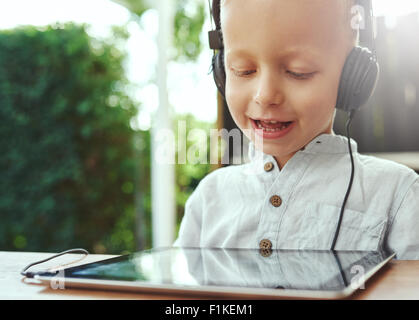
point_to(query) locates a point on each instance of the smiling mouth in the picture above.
(272, 125)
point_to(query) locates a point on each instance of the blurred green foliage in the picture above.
(73, 171)
(188, 22)
(189, 19)
(191, 172)
(67, 159)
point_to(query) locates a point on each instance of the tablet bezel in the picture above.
(205, 290)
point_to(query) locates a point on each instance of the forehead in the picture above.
(288, 27)
(308, 53)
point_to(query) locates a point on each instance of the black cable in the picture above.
(341, 271)
(348, 123)
(32, 274)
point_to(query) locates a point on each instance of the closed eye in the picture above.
(300, 76)
(295, 75)
(242, 73)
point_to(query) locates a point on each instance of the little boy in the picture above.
(283, 61)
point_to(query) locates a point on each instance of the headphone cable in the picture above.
(348, 123)
(28, 274)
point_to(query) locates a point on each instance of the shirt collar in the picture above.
(324, 143)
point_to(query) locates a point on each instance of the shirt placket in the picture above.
(279, 186)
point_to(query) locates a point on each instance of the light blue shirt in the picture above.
(232, 207)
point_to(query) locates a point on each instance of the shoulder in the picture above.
(221, 177)
(402, 235)
(214, 191)
(388, 180)
(387, 169)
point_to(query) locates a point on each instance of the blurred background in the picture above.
(84, 85)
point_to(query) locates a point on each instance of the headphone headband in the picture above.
(215, 39)
(216, 36)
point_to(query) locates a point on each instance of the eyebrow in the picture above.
(238, 52)
(292, 52)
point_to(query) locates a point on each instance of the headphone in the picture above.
(359, 74)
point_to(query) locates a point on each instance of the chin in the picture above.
(275, 151)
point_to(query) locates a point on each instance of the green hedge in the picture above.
(68, 165)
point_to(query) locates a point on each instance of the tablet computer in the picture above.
(247, 273)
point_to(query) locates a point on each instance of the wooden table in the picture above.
(398, 280)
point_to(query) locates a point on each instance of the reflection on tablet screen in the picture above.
(285, 269)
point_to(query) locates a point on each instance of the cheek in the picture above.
(316, 102)
(237, 102)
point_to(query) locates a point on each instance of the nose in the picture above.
(269, 93)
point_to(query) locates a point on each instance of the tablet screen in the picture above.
(283, 269)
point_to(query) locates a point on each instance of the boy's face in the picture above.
(283, 61)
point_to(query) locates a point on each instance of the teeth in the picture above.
(270, 129)
(270, 122)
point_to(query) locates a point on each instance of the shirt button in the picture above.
(265, 252)
(276, 201)
(265, 244)
(268, 166)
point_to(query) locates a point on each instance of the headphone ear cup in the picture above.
(358, 80)
(219, 71)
